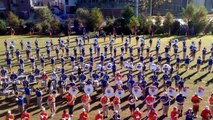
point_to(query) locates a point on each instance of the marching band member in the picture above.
(206, 114)
(180, 84)
(104, 84)
(70, 102)
(210, 62)
(85, 99)
(39, 97)
(178, 60)
(48, 50)
(20, 102)
(204, 52)
(18, 53)
(57, 52)
(180, 99)
(45, 79)
(32, 61)
(132, 99)
(199, 62)
(50, 86)
(211, 103)
(25, 115)
(10, 116)
(9, 64)
(121, 60)
(67, 50)
(65, 115)
(116, 104)
(130, 50)
(115, 51)
(42, 61)
(130, 85)
(98, 50)
(38, 52)
(174, 114)
(116, 116)
(43, 114)
(6, 44)
(151, 59)
(196, 103)
(165, 99)
(137, 115)
(152, 114)
(51, 102)
(159, 60)
(105, 101)
(167, 48)
(168, 59)
(187, 61)
(99, 116)
(150, 42)
(27, 95)
(61, 86)
(126, 45)
(150, 100)
(84, 115)
(7, 54)
(199, 45)
(62, 61)
(72, 60)
(189, 114)
(52, 62)
(122, 49)
(105, 51)
(184, 52)
(139, 52)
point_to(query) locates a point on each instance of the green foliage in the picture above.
(43, 14)
(13, 20)
(45, 27)
(83, 16)
(56, 26)
(209, 27)
(96, 18)
(200, 19)
(142, 20)
(176, 27)
(38, 28)
(189, 11)
(149, 24)
(68, 22)
(168, 22)
(3, 27)
(158, 21)
(127, 13)
(133, 23)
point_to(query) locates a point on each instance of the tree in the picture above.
(133, 24)
(168, 22)
(188, 12)
(146, 3)
(13, 20)
(96, 18)
(149, 24)
(127, 13)
(56, 26)
(45, 27)
(200, 19)
(3, 27)
(142, 20)
(158, 21)
(209, 27)
(43, 14)
(38, 28)
(83, 16)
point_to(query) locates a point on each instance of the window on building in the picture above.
(67, 2)
(22, 1)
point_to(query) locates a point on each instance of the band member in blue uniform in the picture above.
(38, 53)
(5, 44)
(42, 61)
(210, 62)
(62, 61)
(147, 51)
(52, 62)
(165, 99)
(9, 64)
(57, 52)
(81, 60)
(199, 62)
(115, 51)
(18, 53)
(139, 52)
(204, 54)
(187, 62)
(150, 42)
(32, 61)
(67, 51)
(121, 60)
(180, 99)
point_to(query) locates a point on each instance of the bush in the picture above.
(43, 14)
(3, 27)
(13, 21)
(127, 13)
(133, 24)
(83, 16)
(209, 28)
(38, 28)
(168, 22)
(56, 26)
(176, 28)
(142, 20)
(45, 27)
(96, 18)
(28, 26)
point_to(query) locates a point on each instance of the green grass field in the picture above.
(193, 79)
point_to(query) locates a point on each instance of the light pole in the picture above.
(136, 8)
(150, 12)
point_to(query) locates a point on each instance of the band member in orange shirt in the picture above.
(105, 101)
(85, 99)
(206, 114)
(174, 114)
(150, 99)
(25, 115)
(153, 115)
(43, 114)
(137, 115)
(196, 102)
(116, 104)
(65, 115)
(211, 103)
(132, 99)
(70, 102)
(10, 116)
(84, 115)
(51, 103)
(99, 116)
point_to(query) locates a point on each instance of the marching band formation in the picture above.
(94, 71)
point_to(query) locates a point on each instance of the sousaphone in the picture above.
(120, 92)
(136, 90)
(88, 89)
(73, 90)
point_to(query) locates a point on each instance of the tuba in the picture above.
(120, 92)
(153, 90)
(185, 91)
(200, 91)
(86, 66)
(98, 67)
(139, 66)
(75, 68)
(73, 90)
(88, 89)
(109, 92)
(136, 90)
(153, 67)
(126, 64)
(171, 91)
(109, 66)
(166, 67)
